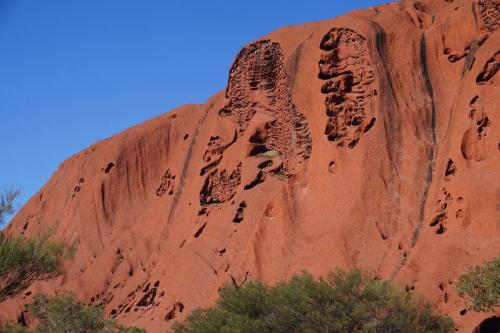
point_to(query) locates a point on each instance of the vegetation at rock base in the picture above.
(24, 260)
(340, 302)
(14, 328)
(64, 314)
(480, 286)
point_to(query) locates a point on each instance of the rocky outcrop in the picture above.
(368, 140)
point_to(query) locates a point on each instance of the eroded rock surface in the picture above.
(347, 71)
(368, 140)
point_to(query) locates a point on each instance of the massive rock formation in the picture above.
(369, 140)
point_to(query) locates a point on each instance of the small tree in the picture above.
(481, 286)
(7, 199)
(61, 314)
(340, 302)
(24, 260)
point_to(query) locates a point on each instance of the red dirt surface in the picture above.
(369, 140)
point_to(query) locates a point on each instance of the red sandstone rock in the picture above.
(370, 140)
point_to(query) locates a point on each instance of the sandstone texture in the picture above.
(369, 140)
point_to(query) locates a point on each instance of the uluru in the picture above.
(368, 141)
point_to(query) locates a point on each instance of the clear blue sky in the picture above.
(73, 72)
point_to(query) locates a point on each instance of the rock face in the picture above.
(370, 140)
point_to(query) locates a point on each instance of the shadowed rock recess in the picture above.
(370, 140)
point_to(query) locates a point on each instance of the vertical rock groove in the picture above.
(185, 169)
(431, 156)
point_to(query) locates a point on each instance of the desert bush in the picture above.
(340, 302)
(480, 286)
(12, 327)
(24, 260)
(64, 314)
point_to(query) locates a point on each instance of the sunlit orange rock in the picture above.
(369, 140)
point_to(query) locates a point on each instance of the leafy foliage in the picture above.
(13, 328)
(64, 314)
(340, 302)
(7, 204)
(481, 286)
(24, 260)
(61, 314)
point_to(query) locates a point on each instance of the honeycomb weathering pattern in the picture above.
(347, 70)
(220, 186)
(489, 69)
(258, 82)
(166, 184)
(490, 14)
(254, 71)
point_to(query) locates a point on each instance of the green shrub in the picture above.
(340, 302)
(13, 328)
(481, 286)
(24, 260)
(64, 314)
